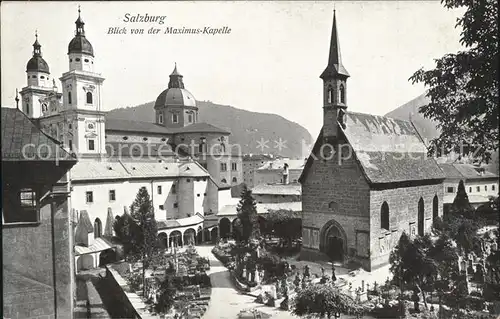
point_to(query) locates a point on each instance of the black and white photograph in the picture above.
(250, 159)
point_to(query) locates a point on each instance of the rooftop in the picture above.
(279, 164)
(231, 210)
(277, 189)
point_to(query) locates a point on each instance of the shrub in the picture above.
(135, 281)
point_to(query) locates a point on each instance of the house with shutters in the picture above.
(367, 180)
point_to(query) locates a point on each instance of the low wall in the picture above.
(117, 287)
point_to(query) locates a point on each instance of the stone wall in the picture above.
(116, 286)
(403, 210)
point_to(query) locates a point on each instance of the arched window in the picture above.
(89, 97)
(342, 93)
(384, 216)
(223, 181)
(69, 97)
(235, 180)
(435, 207)
(421, 216)
(330, 94)
(160, 118)
(97, 228)
(201, 146)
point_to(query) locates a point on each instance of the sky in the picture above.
(270, 62)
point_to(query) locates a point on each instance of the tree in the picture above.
(463, 87)
(247, 214)
(167, 292)
(321, 300)
(127, 230)
(147, 238)
(411, 265)
(461, 204)
(286, 224)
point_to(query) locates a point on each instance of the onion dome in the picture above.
(175, 94)
(80, 44)
(37, 63)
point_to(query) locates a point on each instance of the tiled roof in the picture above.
(199, 128)
(231, 210)
(99, 244)
(181, 222)
(22, 140)
(135, 126)
(92, 170)
(387, 150)
(277, 189)
(119, 149)
(279, 164)
(466, 171)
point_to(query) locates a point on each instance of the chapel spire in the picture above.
(334, 67)
(176, 79)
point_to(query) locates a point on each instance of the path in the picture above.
(86, 290)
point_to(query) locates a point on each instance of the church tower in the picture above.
(82, 108)
(334, 89)
(38, 83)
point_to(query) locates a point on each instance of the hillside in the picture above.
(246, 127)
(426, 127)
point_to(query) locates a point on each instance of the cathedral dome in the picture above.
(37, 64)
(80, 44)
(175, 94)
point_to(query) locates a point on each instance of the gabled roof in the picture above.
(135, 126)
(277, 189)
(22, 140)
(386, 149)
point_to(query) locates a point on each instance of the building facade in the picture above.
(38, 278)
(250, 163)
(367, 180)
(184, 164)
(279, 171)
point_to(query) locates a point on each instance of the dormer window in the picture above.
(89, 98)
(330, 94)
(160, 118)
(175, 118)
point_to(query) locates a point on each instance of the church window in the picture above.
(160, 118)
(69, 97)
(91, 145)
(330, 94)
(112, 195)
(190, 118)
(234, 166)
(223, 181)
(27, 109)
(89, 197)
(384, 216)
(235, 180)
(435, 207)
(97, 228)
(175, 118)
(89, 97)
(223, 167)
(70, 126)
(201, 146)
(342, 93)
(20, 206)
(77, 59)
(70, 145)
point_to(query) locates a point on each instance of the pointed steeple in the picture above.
(334, 67)
(176, 79)
(17, 99)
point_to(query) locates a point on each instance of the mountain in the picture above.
(426, 127)
(246, 127)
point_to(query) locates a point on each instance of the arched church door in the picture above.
(335, 248)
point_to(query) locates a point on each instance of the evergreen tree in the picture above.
(463, 87)
(128, 232)
(461, 204)
(247, 214)
(142, 212)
